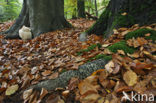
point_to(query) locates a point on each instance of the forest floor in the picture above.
(131, 67)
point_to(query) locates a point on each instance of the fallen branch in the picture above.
(62, 81)
(91, 16)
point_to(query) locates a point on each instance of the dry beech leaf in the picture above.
(27, 94)
(11, 90)
(24, 70)
(33, 97)
(103, 75)
(109, 67)
(65, 93)
(121, 52)
(142, 65)
(92, 80)
(54, 75)
(73, 83)
(122, 29)
(153, 57)
(130, 78)
(2, 89)
(153, 81)
(90, 98)
(125, 32)
(86, 85)
(53, 99)
(46, 72)
(124, 88)
(79, 59)
(34, 70)
(60, 100)
(107, 51)
(116, 69)
(26, 82)
(134, 55)
(97, 72)
(105, 45)
(44, 92)
(115, 31)
(148, 34)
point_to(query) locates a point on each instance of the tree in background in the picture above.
(124, 13)
(96, 9)
(41, 16)
(9, 9)
(81, 8)
(73, 5)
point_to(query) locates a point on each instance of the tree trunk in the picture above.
(96, 11)
(41, 15)
(23, 19)
(124, 13)
(74, 14)
(81, 8)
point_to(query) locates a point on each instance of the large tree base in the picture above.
(23, 19)
(124, 13)
(30, 16)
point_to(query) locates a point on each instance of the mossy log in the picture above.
(82, 72)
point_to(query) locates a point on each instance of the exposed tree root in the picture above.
(62, 81)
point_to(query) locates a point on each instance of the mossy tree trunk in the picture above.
(41, 16)
(81, 8)
(124, 13)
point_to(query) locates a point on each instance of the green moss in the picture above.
(123, 21)
(102, 56)
(141, 33)
(121, 46)
(90, 48)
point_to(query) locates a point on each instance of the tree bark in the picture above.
(23, 19)
(140, 12)
(41, 16)
(81, 8)
(96, 10)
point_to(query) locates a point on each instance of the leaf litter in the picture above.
(24, 63)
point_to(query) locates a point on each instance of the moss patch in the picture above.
(121, 46)
(90, 48)
(141, 33)
(102, 56)
(123, 21)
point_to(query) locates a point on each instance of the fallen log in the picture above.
(62, 81)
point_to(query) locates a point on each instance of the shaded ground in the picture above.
(24, 63)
